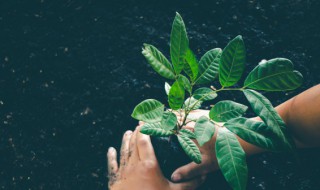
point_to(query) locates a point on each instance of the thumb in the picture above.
(188, 171)
(189, 185)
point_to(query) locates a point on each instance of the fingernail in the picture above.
(176, 177)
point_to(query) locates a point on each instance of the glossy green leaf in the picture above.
(192, 104)
(226, 110)
(149, 111)
(176, 96)
(169, 120)
(209, 66)
(204, 94)
(253, 132)
(232, 160)
(191, 65)
(155, 129)
(187, 133)
(158, 61)
(167, 87)
(185, 83)
(204, 130)
(274, 75)
(264, 109)
(190, 148)
(179, 43)
(232, 62)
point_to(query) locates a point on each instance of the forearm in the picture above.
(302, 116)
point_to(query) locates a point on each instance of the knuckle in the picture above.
(131, 146)
(113, 164)
(123, 154)
(127, 133)
(149, 164)
(143, 142)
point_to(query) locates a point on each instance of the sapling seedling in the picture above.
(185, 73)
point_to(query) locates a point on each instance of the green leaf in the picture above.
(155, 129)
(185, 83)
(264, 109)
(232, 160)
(190, 148)
(192, 104)
(232, 62)
(274, 75)
(204, 130)
(204, 94)
(179, 43)
(158, 61)
(209, 66)
(149, 111)
(176, 96)
(253, 132)
(191, 65)
(169, 121)
(187, 133)
(167, 87)
(226, 110)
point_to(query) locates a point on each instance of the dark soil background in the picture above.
(71, 72)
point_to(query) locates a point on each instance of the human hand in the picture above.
(209, 161)
(139, 167)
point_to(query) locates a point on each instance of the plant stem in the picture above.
(187, 110)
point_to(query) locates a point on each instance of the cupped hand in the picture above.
(209, 160)
(139, 167)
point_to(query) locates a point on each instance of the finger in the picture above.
(112, 165)
(189, 185)
(189, 171)
(145, 148)
(124, 153)
(112, 160)
(133, 150)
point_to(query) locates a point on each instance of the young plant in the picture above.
(185, 72)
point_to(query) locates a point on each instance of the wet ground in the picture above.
(71, 73)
